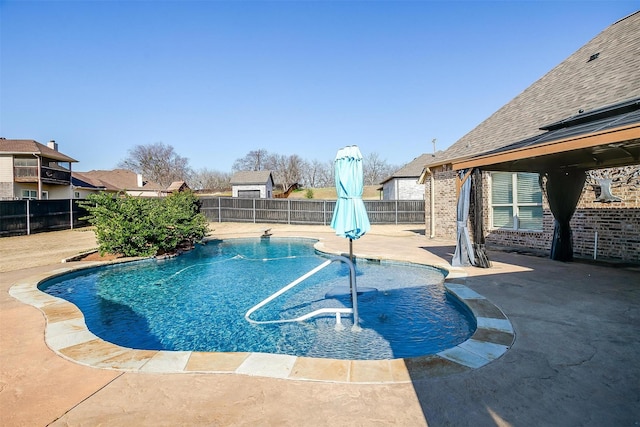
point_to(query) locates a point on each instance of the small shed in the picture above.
(252, 184)
(403, 184)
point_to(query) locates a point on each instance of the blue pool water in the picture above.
(197, 302)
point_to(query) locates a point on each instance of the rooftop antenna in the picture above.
(433, 141)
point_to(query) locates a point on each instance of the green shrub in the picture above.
(134, 226)
(309, 194)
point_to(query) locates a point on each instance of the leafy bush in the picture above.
(309, 194)
(134, 226)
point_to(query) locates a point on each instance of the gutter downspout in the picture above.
(432, 204)
(71, 196)
(39, 176)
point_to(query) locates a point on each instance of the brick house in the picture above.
(31, 170)
(252, 184)
(582, 120)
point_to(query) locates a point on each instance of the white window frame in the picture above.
(515, 206)
(29, 194)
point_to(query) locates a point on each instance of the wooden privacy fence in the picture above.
(318, 212)
(32, 216)
(19, 217)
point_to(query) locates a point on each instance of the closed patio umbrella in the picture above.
(350, 217)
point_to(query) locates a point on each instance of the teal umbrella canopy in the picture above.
(350, 217)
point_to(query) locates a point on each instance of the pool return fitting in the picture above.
(337, 310)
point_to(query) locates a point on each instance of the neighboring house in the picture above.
(252, 184)
(177, 187)
(115, 181)
(404, 183)
(84, 185)
(30, 170)
(583, 115)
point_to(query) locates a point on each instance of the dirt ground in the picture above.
(54, 247)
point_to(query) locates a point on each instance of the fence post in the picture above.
(28, 222)
(288, 211)
(71, 212)
(396, 211)
(219, 209)
(324, 212)
(254, 211)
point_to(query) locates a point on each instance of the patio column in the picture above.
(563, 190)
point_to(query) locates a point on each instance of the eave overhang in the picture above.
(597, 150)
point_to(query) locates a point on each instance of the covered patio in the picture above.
(602, 138)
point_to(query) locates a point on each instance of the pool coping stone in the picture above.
(67, 335)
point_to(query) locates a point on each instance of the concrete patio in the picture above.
(574, 360)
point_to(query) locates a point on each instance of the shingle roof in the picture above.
(78, 179)
(29, 146)
(176, 186)
(578, 83)
(251, 177)
(116, 180)
(414, 168)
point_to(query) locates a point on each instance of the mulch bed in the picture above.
(95, 256)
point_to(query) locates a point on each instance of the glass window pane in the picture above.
(503, 217)
(529, 188)
(501, 188)
(530, 218)
(17, 161)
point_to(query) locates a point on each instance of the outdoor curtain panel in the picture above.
(464, 254)
(477, 228)
(563, 190)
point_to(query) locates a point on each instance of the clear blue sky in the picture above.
(216, 79)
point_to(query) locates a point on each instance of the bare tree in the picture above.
(287, 170)
(316, 174)
(253, 161)
(375, 169)
(157, 162)
(293, 170)
(206, 179)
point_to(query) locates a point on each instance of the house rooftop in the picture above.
(414, 168)
(251, 177)
(116, 180)
(29, 146)
(605, 71)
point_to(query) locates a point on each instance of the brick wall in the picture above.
(617, 223)
(445, 203)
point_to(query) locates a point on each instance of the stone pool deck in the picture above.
(574, 360)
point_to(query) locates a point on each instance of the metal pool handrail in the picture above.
(336, 310)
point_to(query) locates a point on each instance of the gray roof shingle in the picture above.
(251, 177)
(414, 168)
(577, 83)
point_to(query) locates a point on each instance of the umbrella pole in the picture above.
(351, 280)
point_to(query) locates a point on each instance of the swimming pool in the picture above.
(197, 302)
